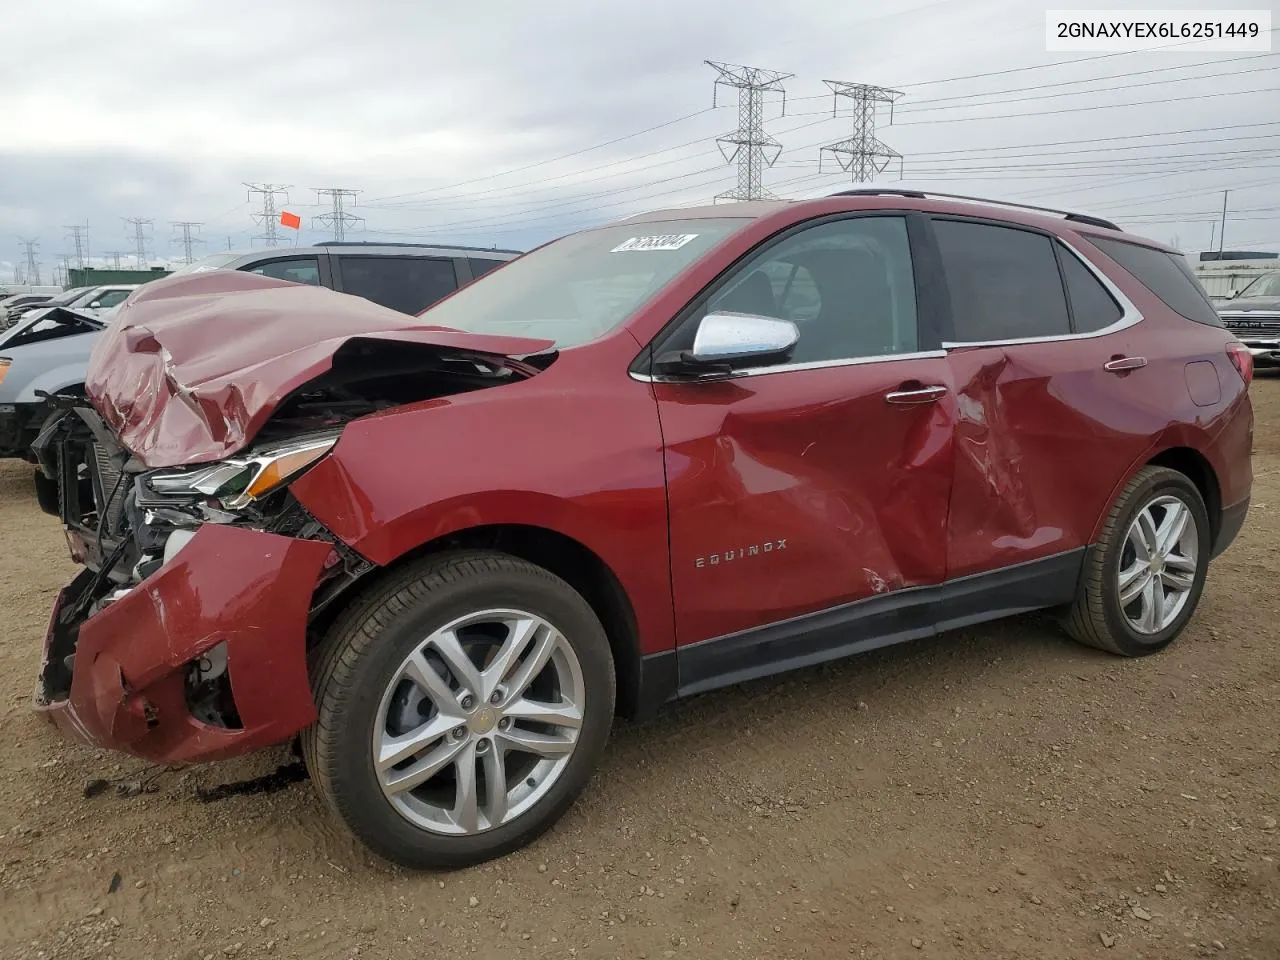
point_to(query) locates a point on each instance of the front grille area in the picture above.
(1252, 324)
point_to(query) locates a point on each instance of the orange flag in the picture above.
(292, 220)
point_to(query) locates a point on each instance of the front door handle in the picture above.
(916, 394)
(1121, 364)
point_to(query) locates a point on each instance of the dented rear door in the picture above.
(1044, 430)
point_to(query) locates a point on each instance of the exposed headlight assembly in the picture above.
(238, 481)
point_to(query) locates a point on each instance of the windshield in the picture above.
(584, 285)
(215, 261)
(1267, 285)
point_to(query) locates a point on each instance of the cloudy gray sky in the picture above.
(492, 124)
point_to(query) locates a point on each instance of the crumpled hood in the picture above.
(195, 364)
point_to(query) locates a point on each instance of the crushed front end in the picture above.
(184, 638)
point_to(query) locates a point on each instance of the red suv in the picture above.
(640, 462)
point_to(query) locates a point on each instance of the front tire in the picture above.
(1143, 579)
(463, 706)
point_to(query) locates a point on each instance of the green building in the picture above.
(94, 277)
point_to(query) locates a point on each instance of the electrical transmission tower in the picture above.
(80, 234)
(115, 256)
(139, 225)
(338, 218)
(270, 215)
(862, 154)
(31, 249)
(65, 268)
(187, 240)
(749, 145)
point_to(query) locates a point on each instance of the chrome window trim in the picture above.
(790, 367)
(1129, 313)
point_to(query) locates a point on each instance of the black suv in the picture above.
(49, 355)
(408, 277)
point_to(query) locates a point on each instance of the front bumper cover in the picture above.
(249, 589)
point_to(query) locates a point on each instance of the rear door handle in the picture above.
(1121, 364)
(916, 395)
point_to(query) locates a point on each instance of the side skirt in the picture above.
(863, 625)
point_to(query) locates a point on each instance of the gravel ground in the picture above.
(995, 793)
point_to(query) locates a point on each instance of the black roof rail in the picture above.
(418, 246)
(921, 195)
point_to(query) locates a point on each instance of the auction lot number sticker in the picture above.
(672, 241)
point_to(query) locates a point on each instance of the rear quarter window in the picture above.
(1164, 274)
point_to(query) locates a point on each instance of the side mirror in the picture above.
(1232, 293)
(728, 340)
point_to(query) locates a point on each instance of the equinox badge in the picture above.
(769, 546)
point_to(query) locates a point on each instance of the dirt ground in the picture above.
(997, 793)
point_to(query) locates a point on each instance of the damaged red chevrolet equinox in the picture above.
(643, 461)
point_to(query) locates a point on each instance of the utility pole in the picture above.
(187, 240)
(80, 234)
(749, 145)
(139, 225)
(31, 249)
(1223, 232)
(338, 218)
(862, 154)
(269, 217)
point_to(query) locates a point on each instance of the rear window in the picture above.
(1164, 274)
(407, 284)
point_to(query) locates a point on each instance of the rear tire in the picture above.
(384, 681)
(1136, 590)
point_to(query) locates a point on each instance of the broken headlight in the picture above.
(238, 481)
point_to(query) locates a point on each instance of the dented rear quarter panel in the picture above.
(575, 450)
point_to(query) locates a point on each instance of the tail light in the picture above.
(1241, 359)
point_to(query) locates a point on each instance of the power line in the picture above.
(862, 154)
(139, 225)
(539, 163)
(1079, 93)
(1113, 76)
(751, 147)
(186, 239)
(31, 250)
(269, 217)
(80, 235)
(1100, 106)
(338, 218)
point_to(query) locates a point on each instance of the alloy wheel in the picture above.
(479, 722)
(1158, 564)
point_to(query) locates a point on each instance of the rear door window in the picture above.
(295, 270)
(1004, 282)
(1092, 306)
(407, 284)
(1164, 274)
(481, 267)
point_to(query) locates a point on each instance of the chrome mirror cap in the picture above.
(732, 337)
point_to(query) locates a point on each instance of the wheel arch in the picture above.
(1189, 462)
(562, 555)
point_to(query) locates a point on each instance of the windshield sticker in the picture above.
(672, 241)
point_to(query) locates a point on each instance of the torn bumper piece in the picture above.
(128, 664)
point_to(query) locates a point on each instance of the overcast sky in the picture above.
(449, 119)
